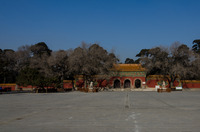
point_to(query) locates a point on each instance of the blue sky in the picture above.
(127, 26)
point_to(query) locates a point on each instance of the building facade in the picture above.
(128, 76)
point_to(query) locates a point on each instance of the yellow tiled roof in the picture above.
(190, 81)
(128, 67)
(7, 84)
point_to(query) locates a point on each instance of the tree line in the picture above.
(37, 65)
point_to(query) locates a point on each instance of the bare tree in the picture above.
(59, 64)
(39, 60)
(90, 60)
(23, 55)
(173, 62)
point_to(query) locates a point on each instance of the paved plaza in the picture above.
(127, 111)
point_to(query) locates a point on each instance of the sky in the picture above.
(125, 26)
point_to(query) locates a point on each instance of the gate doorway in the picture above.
(137, 83)
(127, 84)
(117, 84)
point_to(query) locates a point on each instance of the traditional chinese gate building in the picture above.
(128, 76)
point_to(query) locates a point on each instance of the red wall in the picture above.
(67, 85)
(27, 87)
(190, 84)
(14, 87)
(151, 83)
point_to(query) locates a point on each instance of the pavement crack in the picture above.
(127, 101)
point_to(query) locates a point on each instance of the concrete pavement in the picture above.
(128, 111)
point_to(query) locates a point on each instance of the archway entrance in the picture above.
(127, 84)
(117, 84)
(137, 83)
